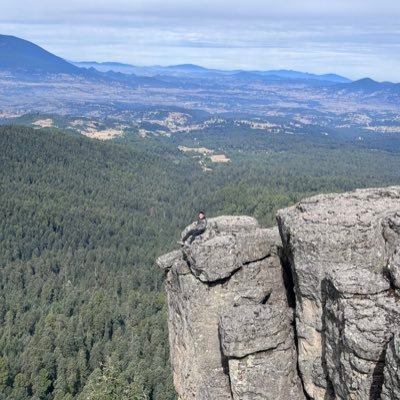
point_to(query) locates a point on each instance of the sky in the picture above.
(354, 38)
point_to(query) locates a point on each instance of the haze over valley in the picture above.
(185, 98)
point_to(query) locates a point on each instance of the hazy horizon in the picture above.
(195, 65)
(354, 39)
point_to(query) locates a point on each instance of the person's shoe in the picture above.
(180, 242)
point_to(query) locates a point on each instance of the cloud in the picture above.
(195, 10)
(352, 37)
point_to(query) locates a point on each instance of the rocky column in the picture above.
(258, 342)
(361, 315)
(359, 230)
(229, 321)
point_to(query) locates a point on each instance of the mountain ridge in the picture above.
(17, 54)
(23, 55)
(198, 69)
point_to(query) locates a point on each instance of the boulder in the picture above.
(226, 246)
(166, 261)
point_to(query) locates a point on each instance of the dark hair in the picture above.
(202, 212)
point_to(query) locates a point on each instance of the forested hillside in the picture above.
(82, 308)
(81, 226)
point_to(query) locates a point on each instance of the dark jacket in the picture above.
(197, 230)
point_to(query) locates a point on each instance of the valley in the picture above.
(102, 168)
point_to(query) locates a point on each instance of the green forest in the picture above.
(82, 309)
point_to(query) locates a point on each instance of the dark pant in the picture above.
(192, 234)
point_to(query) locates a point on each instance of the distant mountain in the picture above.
(368, 85)
(250, 76)
(186, 70)
(89, 64)
(283, 73)
(153, 70)
(195, 71)
(21, 55)
(29, 61)
(107, 66)
(187, 67)
(333, 78)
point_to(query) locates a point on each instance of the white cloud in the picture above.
(352, 37)
(106, 10)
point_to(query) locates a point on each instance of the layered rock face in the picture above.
(312, 313)
(230, 325)
(343, 251)
(391, 386)
(358, 324)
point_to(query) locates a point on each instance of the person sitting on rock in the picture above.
(197, 230)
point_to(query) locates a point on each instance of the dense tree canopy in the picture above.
(82, 309)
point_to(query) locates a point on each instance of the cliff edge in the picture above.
(309, 312)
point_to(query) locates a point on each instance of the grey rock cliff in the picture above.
(230, 325)
(359, 321)
(339, 247)
(310, 312)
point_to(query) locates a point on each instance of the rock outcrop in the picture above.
(230, 324)
(340, 247)
(312, 313)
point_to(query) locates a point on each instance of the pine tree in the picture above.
(3, 373)
(41, 384)
(106, 383)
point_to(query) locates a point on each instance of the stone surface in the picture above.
(213, 259)
(217, 253)
(250, 329)
(359, 229)
(259, 282)
(350, 280)
(166, 261)
(231, 291)
(391, 385)
(232, 270)
(194, 309)
(259, 344)
(230, 224)
(394, 268)
(269, 375)
(358, 323)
